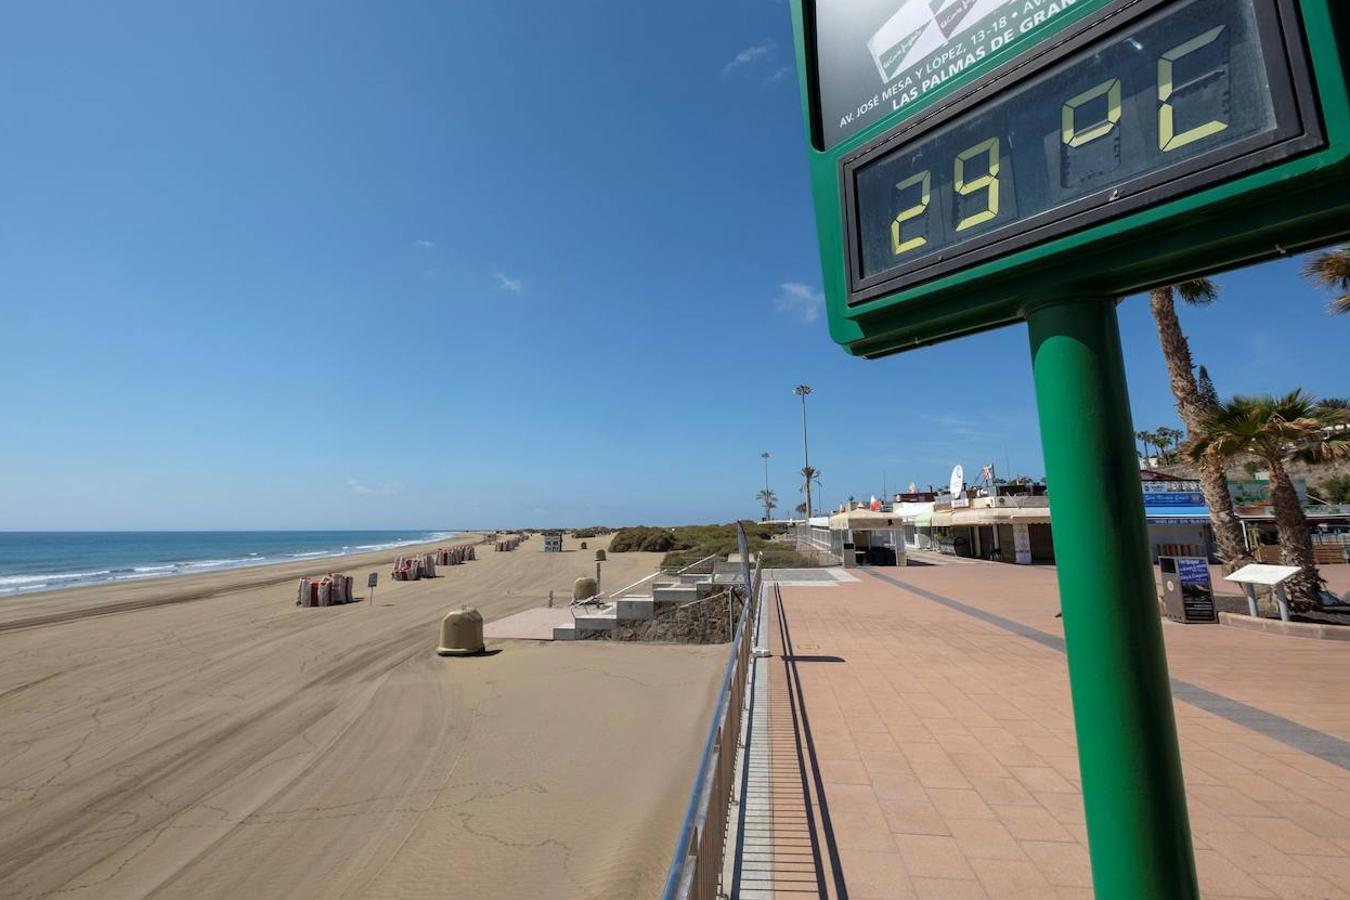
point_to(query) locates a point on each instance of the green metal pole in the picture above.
(1138, 831)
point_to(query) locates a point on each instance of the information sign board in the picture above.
(1188, 595)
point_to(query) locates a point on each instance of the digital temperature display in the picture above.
(1196, 85)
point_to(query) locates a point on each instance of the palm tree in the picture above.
(810, 475)
(1145, 438)
(1192, 409)
(1331, 269)
(801, 510)
(1279, 430)
(768, 499)
(1168, 438)
(1162, 439)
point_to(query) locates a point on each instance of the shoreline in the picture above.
(32, 609)
(150, 570)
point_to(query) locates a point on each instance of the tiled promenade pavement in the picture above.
(934, 740)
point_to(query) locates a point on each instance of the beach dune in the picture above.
(233, 745)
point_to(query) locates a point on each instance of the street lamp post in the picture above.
(765, 457)
(802, 390)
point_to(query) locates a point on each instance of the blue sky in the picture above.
(420, 264)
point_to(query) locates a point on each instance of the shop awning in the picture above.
(1176, 515)
(864, 520)
(972, 518)
(1175, 507)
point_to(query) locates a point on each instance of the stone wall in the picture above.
(698, 622)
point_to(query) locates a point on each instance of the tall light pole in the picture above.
(765, 457)
(802, 390)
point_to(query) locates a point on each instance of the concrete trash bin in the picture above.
(461, 633)
(600, 555)
(584, 588)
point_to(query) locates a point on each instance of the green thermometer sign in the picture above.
(1004, 140)
(1174, 97)
(979, 163)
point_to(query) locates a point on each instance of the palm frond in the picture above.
(1197, 292)
(1331, 269)
(1288, 427)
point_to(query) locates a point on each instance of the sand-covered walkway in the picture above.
(233, 745)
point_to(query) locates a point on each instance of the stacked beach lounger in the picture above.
(413, 568)
(453, 556)
(330, 590)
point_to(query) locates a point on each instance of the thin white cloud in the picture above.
(778, 75)
(747, 56)
(505, 283)
(800, 301)
(376, 489)
(426, 244)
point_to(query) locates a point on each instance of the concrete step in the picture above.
(636, 609)
(675, 593)
(602, 619)
(566, 632)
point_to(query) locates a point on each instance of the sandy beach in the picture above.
(202, 736)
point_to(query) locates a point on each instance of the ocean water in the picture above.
(47, 560)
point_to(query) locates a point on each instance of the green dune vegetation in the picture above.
(686, 543)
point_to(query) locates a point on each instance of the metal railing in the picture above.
(602, 597)
(821, 540)
(704, 565)
(696, 870)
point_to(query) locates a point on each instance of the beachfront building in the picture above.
(1330, 522)
(1014, 525)
(1011, 528)
(867, 537)
(915, 509)
(1177, 517)
(1179, 523)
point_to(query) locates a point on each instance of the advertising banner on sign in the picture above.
(882, 55)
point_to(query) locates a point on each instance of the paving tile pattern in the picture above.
(945, 748)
